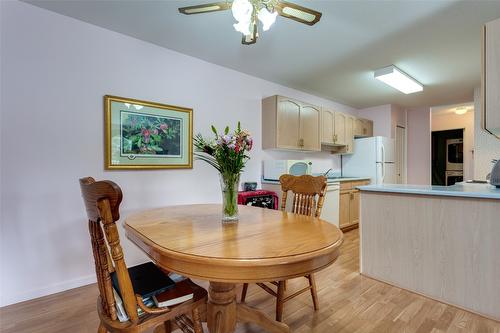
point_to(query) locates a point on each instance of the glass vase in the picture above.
(229, 185)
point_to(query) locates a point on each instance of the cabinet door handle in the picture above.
(301, 142)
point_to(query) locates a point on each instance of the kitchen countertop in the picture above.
(329, 181)
(486, 191)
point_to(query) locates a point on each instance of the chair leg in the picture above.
(102, 328)
(244, 292)
(279, 300)
(168, 326)
(197, 321)
(314, 294)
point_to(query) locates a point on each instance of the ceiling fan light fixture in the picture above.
(267, 18)
(248, 13)
(398, 79)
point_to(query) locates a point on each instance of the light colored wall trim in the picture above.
(48, 290)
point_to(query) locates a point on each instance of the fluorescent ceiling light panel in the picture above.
(398, 79)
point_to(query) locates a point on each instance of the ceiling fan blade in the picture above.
(298, 13)
(206, 8)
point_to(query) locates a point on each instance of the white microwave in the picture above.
(273, 169)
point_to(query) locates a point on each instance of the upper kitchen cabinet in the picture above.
(333, 127)
(290, 124)
(491, 78)
(339, 128)
(327, 127)
(309, 127)
(349, 135)
(363, 127)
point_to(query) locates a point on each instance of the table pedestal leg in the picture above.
(221, 307)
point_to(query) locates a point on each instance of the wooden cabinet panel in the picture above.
(288, 123)
(491, 78)
(345, 209)
(354, 207)
(349, 135)
(359, 125)
(363, 127)
(339, 128)
(369, 127)
(349, 204)
(327, 126)
(309, 127)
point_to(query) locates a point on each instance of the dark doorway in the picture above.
(447, 157)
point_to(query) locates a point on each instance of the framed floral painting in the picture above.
(147, 135)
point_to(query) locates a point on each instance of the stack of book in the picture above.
(155, 288)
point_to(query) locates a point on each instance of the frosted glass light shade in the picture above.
(267, 18)
(242, 12)
(398, 79)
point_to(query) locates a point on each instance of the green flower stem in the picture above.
(229, 184)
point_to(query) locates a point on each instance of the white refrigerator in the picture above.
(373, 157)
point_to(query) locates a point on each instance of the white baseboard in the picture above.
(6, 299)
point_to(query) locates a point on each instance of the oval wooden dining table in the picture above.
(265, 245)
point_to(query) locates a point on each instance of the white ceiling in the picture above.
(437, 42)
(450, 109)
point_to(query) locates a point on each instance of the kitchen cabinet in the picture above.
(490, 87)
(349, 135)
(337, 129)
(309, 127)
(349, 204)
(290, 124)
(340, 128)
(344, 209)
(327, 126)
(363, 127)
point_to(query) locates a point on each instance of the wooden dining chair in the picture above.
(305, 190)
(102, 201)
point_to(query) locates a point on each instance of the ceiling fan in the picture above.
(249, 12)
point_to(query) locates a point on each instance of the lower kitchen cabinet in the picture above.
(349, 204)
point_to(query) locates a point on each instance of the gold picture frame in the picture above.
(147, 135)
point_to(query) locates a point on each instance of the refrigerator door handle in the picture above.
(383, 163)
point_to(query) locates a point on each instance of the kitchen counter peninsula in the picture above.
(441, 242)
(466, 190)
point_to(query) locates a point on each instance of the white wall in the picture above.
(55, 71)
(419, 146)
(398, 118)
(386, 118)
(382, 119)
(487, 147)
(442, 122)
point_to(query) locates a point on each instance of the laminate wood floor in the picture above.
(349, 302)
